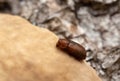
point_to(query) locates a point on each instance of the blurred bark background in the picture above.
(93, 23)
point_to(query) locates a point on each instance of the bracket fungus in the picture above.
(29, 53)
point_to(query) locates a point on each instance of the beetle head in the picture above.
(62, 43)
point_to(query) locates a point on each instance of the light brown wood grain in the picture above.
(29, 53)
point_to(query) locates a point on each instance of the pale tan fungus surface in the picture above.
(29, 53)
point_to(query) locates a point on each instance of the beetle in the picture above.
(72, 48)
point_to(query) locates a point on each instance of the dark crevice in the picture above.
(5, 7)
(98, 8)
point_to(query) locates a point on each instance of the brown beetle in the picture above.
(72, 48)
